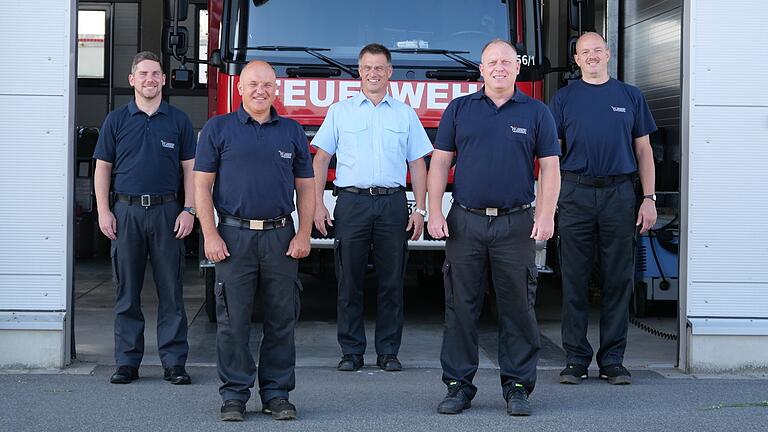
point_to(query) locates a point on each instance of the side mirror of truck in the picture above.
(182, 78)
(175, 40)
(581, 15)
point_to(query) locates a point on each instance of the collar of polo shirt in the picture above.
(133, 109)
(243, 116)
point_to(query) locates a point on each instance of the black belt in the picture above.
(593, 181)
(493, 211)
(145, 200)
(373, 191)
(255, 224)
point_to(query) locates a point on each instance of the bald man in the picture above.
(253, 160)
(603, 125)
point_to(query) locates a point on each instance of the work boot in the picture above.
(124, 375)
(573, 374)
(350, 362)
(232, 410)
(280, 409)
(616, 374)
(517, 401)
(455, 401)
(177, 375)
(389, 363)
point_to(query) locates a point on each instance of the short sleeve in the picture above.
(418, 140)
(208, 151)
(188, 140)
(302, 163)
(547, 143)
(107, 144)
(446, 131)
(327, 136)
(644, 123)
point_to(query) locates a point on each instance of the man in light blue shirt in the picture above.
(376, 139)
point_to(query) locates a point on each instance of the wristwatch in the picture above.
(651, 197)
(422, 212)
(190, 210)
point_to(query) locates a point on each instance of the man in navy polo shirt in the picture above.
(496, 134)
(604, 126)
(254, 159)
(140, 149)
(375, 139)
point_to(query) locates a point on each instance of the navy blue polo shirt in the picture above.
(255, 164)
(145, 151)
(598, 124)
(495, 148)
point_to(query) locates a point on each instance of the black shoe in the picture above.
(455, 401)
(177, 375)
(280, 409)
(232, 410)
(389, 363)
(350, 362)
(517, 401)
(616, 374)
(124, 375)
(573, 374)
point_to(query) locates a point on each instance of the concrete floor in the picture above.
(316, 332)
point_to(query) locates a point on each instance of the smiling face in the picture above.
(375, 72)
(147, 80)
(592, 56)
(499, 68)
(257, 86)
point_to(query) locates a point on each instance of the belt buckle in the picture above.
(146, 200)
(256, 225)
(491, 211)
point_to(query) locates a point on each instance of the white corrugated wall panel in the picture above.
(36, 57)
(32, 292)
(730, 45)
(727, 253)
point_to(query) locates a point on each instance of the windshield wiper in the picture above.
(453, 55)
(311, 51)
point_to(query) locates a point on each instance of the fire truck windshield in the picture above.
(344, 27)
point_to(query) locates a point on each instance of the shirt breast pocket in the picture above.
(351, 139)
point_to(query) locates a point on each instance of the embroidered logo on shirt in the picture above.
(519, 130)
(285, 155)
(167, 144)
(618, 109)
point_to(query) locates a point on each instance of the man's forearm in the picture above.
(305, 204)
(549, 186)
(418, 170)
(645, 166)
(189, 182)
(102, 179)
(320, 167)
(437, 179)
(204, 200)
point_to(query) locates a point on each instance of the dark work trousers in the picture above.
(257, 262)
(502, 246)
(142, 232)
(596, 220)
(362, 221)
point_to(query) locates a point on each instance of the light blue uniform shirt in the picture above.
(372, 143)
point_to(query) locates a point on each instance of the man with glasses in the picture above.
(375, 138)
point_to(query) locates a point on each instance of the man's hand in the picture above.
(437, 226)
(321, 218)
(543, 228)
(215, 248)
(646, 216)
(299, 247)
(184, 224)
(108, 224)
(415, 221)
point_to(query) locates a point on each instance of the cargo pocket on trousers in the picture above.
(447, 284)
(533, 280)
(222, 309)
(298, 288)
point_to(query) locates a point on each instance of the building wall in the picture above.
(725, 130)
(36, 164)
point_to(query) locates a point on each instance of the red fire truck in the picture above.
(313, 46)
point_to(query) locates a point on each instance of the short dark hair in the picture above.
(496, 41)
(375, 49)
(144, 55)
